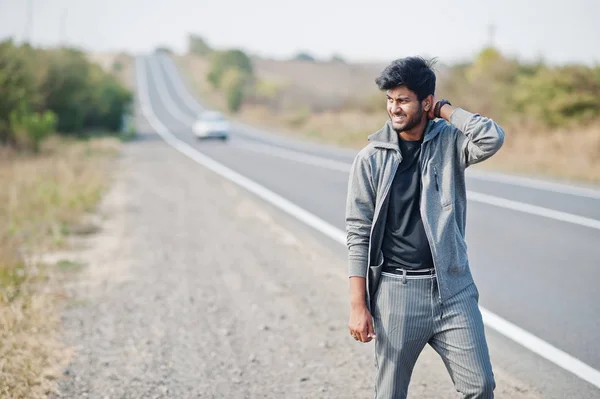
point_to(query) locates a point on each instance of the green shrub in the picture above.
(31, 129)
(234, 84)
(78, 95)
(223, 61)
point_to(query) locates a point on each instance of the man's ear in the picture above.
(428, 103)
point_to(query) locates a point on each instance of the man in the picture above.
(410, 283)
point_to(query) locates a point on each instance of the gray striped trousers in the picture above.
(407, 315)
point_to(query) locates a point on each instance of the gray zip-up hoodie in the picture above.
(447, 150)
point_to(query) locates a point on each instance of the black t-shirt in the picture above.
(405, 243)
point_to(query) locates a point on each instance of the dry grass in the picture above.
(31, 351)
(569, 154)
(320, 86)
(321, 77)
(45, 196)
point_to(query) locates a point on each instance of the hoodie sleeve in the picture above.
(480, 139)
(360, 208)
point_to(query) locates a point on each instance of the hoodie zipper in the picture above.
(428, 229)
(387, 188)
(437, 187)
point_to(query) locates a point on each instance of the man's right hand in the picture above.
(361, 323)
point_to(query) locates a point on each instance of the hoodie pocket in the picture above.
(445, 197)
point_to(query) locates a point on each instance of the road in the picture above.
(533, 246)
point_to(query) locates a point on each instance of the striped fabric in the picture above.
(408, 315)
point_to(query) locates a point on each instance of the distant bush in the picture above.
(337, 59)
(231, 71)
(197, 46)
(223, 61)
(111, 101)
(507, 90)
(117, 66)
(559, 96)
(304, 56)
(31, 128)
(60, 89)
(234, 84)
(18, 84)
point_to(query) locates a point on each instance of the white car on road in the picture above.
(211, 124)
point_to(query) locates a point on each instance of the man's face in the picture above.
(404, 108)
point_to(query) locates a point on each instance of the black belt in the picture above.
(409, 272)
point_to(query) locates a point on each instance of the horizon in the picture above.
(455, 33)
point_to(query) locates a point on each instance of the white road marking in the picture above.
(504, 327)
(471, 195)
(528, 182)
(167, 100)
(533, 209)
(297, 156)
(541, 347)
(190, 102)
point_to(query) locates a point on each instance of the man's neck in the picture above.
(414, 134)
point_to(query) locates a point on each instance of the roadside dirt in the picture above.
(196, 289)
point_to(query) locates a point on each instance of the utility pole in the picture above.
(63, 29)
(27, 34)
(491, 35)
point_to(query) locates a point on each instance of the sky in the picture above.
(558, 32)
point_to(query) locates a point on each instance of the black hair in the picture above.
(415, 73)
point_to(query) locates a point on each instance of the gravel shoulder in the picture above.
(196, 289)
